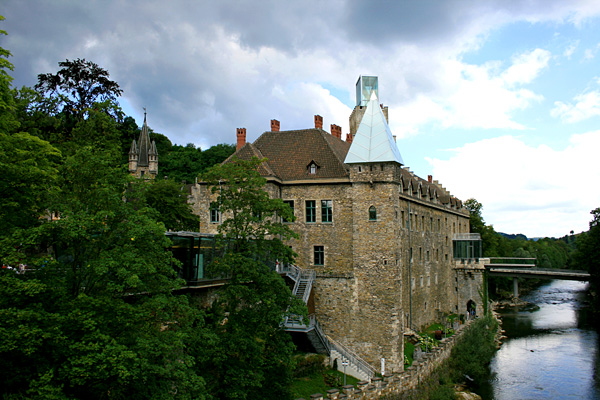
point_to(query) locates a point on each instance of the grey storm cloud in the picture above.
(204, 68)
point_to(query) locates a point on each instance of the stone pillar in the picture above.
(516, 287)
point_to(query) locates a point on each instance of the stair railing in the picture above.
(353, 358)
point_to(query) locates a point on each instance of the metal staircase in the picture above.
(303, 282)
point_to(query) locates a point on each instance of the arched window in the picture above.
(372, 213)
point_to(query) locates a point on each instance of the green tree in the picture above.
(169, 199)
(216, 154)
(77, 86)
(252, 355)
(94, 316)
(587, 256)
(489, 237)
(97, 319)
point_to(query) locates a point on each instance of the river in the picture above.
(551, 351)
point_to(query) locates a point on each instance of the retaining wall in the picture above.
(402, 385)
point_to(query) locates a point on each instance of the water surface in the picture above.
(551, 352)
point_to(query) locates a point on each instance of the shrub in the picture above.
(308, 364)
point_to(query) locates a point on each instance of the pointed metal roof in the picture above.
(143, 145)
(373, 141)
(133, 149)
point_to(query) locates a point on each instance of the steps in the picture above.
(356, 366)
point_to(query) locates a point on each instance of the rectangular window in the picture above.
(403, 223)
(215, 214)
(291, 204)
(311, 211)
(326, 211)
(319, 255)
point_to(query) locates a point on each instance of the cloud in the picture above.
(524, 189)
(570, 50)
(587, 105)
(474, 96)
(526, 67)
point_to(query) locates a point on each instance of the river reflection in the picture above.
(551, 352)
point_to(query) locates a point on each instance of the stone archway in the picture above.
(471, 309)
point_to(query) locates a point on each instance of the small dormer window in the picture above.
(312, 168)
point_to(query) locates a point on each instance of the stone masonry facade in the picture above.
(378, 237)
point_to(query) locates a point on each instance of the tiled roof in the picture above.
(290, 154)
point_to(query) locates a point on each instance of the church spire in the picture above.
(143, 156)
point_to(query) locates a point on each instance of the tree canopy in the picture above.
(98, 314)
(77, 86)
(257, 353)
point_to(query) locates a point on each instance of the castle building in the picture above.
(143, 157)
(379, 238)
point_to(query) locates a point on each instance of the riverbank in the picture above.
(551, 346)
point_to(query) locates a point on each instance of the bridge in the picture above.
(515, 271)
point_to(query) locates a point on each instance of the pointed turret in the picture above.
(373, 141)
(133, 157)
(143, 145)
(153, 159)
(143, 156)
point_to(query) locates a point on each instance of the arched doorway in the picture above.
(471, 309)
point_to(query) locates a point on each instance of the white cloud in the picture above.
(537, 191)
(587, 105)
(571, 49)
(474, 96)
(526, 67)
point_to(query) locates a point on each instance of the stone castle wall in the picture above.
(368, 291)
(401, 385)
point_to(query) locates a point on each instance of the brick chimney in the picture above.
(318, 122)
(241, 137)
(430, 178)
(274, 125)
(336, 131)
(349, 137)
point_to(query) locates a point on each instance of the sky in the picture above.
(498, 100)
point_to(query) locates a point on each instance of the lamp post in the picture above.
(345, 364)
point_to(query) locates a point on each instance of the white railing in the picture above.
(295, 321)
(352, 357)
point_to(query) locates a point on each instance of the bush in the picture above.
(308, 364)
(473, 353)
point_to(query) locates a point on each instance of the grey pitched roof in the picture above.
(373, 141)
(143, 145)
(133, 149)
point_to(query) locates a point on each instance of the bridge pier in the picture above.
(515, 287)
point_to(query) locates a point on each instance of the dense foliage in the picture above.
(587, 256)
(254, 300)
(94, 315)
(548, 252)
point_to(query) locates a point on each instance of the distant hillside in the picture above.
(513, 236)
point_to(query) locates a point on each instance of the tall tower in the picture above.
(143, 156)
(375, 163)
